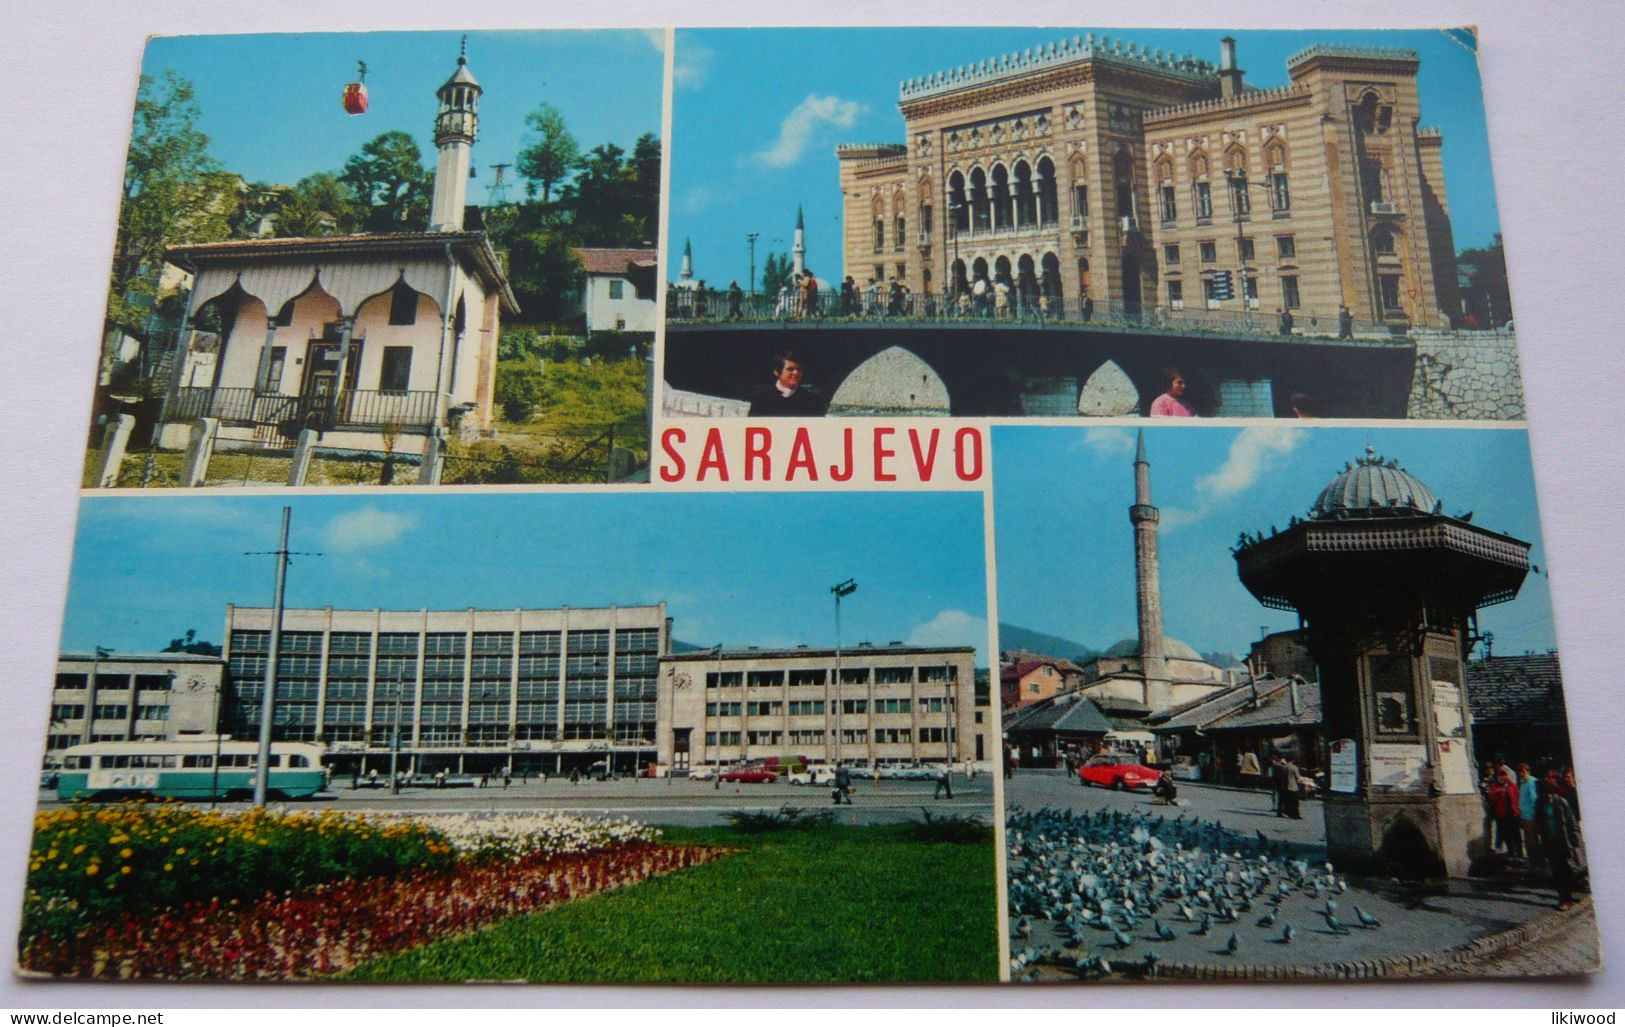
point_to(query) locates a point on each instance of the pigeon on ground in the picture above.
(1366, 919)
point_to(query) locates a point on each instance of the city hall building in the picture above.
(1138, 179)
(866, 704)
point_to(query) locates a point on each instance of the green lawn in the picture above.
(834, 904)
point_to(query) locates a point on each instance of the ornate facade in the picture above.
(1097, 169)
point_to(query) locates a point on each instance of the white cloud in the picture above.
(698, 198)
(953, 627)
(1109, 442)
(692, 62)
(1254, 452)
(1251, 454)
(365, 528)
(656, 38)
(798, 128)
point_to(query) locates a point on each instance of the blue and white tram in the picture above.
(187, 769)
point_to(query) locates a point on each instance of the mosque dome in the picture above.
(1372, 486)
(1172, 648)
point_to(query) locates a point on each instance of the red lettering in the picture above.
(923, 463)
(968, 460)
(801, 457)
(712, 457)
(839, 472)
(882, 454)
(757, 442)
(672, 470)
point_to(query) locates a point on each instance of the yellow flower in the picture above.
(92, 870)
(168, 867)
(181, 851)
(126, 853)
(123, 870)
(77, 849)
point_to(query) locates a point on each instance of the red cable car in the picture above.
(355, 94)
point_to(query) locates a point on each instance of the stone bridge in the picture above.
(983, 369)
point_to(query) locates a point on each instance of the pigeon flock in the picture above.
(1109, 886)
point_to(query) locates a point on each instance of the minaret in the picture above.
(1147, 585)
(454, 130)
(798, 252)
(685, 277)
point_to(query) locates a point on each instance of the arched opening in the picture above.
(1047, 206)
(961, 284)
(1131, 284)
(1026, 199)
(1026, 283)
(1123, 182)
(978, 269)
(1049, 281)
(958, 209)
(1001, 197)
(1001, 270)
(978, 200)
(1083, 278)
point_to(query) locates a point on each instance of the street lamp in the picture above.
(750, 238)
(1241, 208)
(395, 732)
(841, 591)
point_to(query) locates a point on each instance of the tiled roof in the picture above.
(1017, 671)
(1067, 713)
(607, 261)
(1274, 709)
(1516, 690)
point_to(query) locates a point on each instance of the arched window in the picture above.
(1235, 173)
(1382, 242)
(1001, 197)
(979, 200)
(1280, 194)
(899, 203)
(1123, 181)
(1201, 188)
(1026, 199)
(958, 207)
(1080, 193)
(1046, 192)
(1166, 204)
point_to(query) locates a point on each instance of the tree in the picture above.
(644, 201)
(321, 204)
(545, 276)
(189, 644)
(552, 156)
(598, 198)
(776, 271)
(1487, 297)
(174, 193)
(388, 179)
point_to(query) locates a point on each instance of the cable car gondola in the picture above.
(355, 94)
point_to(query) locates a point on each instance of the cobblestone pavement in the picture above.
(1511, 924)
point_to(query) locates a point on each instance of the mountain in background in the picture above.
(1012, 637)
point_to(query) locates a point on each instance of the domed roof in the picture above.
(1172, 648)
(1372, 486)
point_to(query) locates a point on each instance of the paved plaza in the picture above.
(1505, 926)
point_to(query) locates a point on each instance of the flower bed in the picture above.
(147, 890)
(89, 865)
(331, 928)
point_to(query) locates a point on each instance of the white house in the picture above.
(618, 289)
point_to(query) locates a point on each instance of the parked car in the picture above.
(750, 775)
(702, 773)
(813, 776)
(1114, 770)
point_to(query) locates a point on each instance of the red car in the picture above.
(1111, 770)
(750, 775)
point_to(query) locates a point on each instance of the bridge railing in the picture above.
(879, 306)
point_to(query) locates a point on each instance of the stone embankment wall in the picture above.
(1469, 376)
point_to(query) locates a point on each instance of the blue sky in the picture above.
(756, 116)
(1065, 548)
(271, 103)
(741, 568)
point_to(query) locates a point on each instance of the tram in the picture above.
(201, 768)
